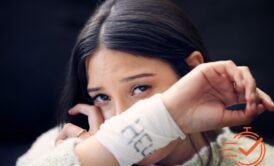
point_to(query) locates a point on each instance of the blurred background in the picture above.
(37, 36)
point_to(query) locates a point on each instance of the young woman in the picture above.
(129, 51)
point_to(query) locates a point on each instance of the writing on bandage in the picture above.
(139, 131)
(140, 140)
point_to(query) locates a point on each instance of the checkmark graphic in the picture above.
(251, 149)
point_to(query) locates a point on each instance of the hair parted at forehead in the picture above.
(148, 27)
(154, 28)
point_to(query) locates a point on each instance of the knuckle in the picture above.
(67, 126)
(78, 106)
(202, 66)
(245, 68)
(230, 63)
(84, 106)
(75, 106)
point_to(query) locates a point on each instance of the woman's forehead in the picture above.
(115, 61)
(111, 64)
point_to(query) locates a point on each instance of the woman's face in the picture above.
(116, 80)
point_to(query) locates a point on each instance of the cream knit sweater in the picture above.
(43, 152)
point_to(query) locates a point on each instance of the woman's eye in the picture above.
(139, 89)
(100, 98)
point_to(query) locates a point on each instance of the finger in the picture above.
(227, 74)
(244, 83)
(260, 109)
(241, 117)
(237, 117)
(71, 130)
(80, 108)
(231, 70)
(250, 85)
(95, 117)
(265, 100)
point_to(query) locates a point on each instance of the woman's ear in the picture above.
(194, 59)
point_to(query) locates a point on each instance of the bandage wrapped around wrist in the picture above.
(139, 131)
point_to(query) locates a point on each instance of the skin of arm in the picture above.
(195, 106)
(92, 153)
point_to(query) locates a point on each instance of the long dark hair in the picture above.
(155, 28)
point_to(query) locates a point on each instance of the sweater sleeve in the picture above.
(44, 152)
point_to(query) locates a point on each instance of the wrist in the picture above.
(176, 111)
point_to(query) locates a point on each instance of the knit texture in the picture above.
(44, 152)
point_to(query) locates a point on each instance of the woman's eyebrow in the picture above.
(130, 78)
(94, 89)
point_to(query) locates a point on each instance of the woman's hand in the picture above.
(199, 101)
(95, 119)
(90, 151)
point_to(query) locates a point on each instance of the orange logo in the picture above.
(242, 153)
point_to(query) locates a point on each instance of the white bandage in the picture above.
(139, 131)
